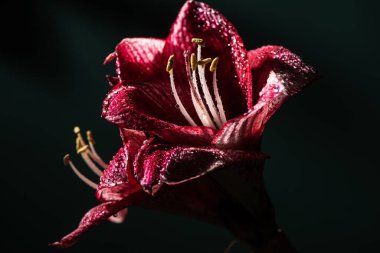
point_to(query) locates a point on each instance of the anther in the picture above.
(193, 62)
(213, 64)
(169, 66)
(66, 159)
(82, 149)
(198, 41)
(90, 137)
(76, 130)
(204, 61)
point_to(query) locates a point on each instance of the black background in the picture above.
(324, 172)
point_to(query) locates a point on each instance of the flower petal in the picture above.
(135, 107)
(266, 58)
(130, 108)
(187, 135)
(138, 59)
(158, 164)
(118, 181)
(234, 197)
(198, 20)
(91, 219)
(278, 74)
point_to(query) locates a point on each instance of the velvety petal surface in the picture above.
(130, 107)
(118, 181)
(266, 58)
(198, 20)
(158, 164)
(278, 73)
(91, 219)
(138, 59)
(141, 107)
(187, 135)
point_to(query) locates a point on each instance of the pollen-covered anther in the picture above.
(204, 61)
(198, 41)
(76, 130)
(88, 153)
(193, 62)
(169, 66)
(82, 149)
(213, 64)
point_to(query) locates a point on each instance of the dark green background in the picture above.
(324, 172)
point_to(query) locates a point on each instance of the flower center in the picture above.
(210, 114)
(89, 155)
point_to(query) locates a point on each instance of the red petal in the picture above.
(91, 219)
(278, 74)
(187, 135)
(132, 136)
(136, 107)
(158, 164)
(117, 187)
(198, 20)
(138, 59)
(118, 181)
(267, 58)
(128, 107)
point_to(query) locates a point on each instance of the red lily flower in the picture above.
(192, 133)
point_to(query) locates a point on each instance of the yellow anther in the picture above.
(193, 62)
(76, 130)
(198, 41)
(90, 137)
(204, 61)
(213, 64)
(169, 66)
(66, 159)
(82, 149)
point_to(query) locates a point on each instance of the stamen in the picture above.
(93, 154)
(219, 103)
(79, 141)
(196, 97)
(83, 150)
(67, 160)
(206, 92)
(90, 137)
(213, 64)
(204, 61)
(198, 41)
(91, 164)
(169, 68)
(193, 62)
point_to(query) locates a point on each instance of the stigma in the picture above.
(209, 108)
